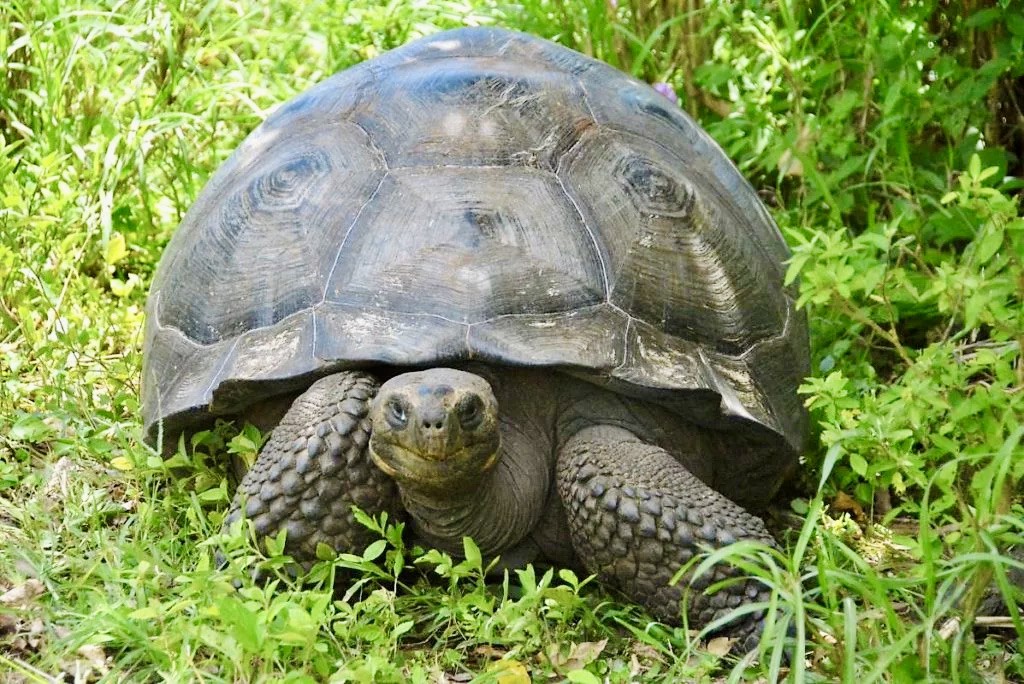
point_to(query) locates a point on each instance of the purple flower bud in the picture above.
(667, 90)
(614, 4)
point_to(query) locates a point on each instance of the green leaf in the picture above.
(583, 677)
(974, 166)
(122, 463)
(944, 443)
(116, 249)
(796, 264)
(527, 579)
(397, 562)
(31, 429)
(569, 577)
(472, 553)
(987, 173)
(988, 244)
(121, 288)
(1015, 23)
(858, 464)
(244, 623)
(365, 520)
(214, 494)
(374, 550)
(401, 628)
(299, 628)
(275, 544)
(984, 18)
(241, 444)
(150, 612)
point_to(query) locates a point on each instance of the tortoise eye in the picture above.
(471, 411)
(395, 413)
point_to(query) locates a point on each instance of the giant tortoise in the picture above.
(497, 289)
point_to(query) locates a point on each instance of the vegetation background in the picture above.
(885, 136)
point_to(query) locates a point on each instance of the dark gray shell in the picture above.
(479, 194)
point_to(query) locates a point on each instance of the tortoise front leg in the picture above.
(315, 467)
(636, 515)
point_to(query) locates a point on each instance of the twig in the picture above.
(994, 621)
(888, 335)
(951, 626)
(31, 673)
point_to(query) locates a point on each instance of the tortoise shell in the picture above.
(479, 195)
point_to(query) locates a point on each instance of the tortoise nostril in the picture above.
(433, 415)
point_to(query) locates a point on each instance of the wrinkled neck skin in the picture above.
(497, 511)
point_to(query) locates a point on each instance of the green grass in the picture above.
(886, 139)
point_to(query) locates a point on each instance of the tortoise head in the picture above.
(435, 429)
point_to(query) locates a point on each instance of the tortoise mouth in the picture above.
(430, 469)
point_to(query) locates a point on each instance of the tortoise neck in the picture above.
(497, 513)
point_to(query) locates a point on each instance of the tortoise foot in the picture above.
(636, 516)
(314, 468)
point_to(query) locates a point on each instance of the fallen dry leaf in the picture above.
(844, 503)
(22, 632)
(488, 651)
(95, 656)
(579, 655)
(635, 668)
(642, 657)
(645, 651)
(58, 482)
(8, 623)
(509, 672)
(29, 637)
(80, 670)
(720, 646)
